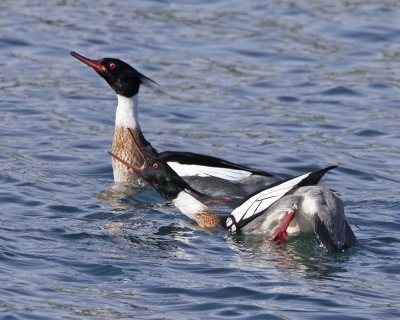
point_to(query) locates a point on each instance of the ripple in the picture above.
(288, 99)
(13, 42)
(99, 270)
(340, 90)
(369, 133)
(55, 158)
(65, 209)
(371, 33)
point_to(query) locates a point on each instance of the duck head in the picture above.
(157, 173)
(124, 79)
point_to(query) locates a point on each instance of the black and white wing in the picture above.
(193, 164)
(260, 201)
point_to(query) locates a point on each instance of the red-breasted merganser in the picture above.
(212, 176)
(287, 207)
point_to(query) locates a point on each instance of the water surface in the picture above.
(282, 86)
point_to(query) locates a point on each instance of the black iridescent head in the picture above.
(158, 174)
(124, 79)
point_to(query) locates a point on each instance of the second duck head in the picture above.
(158, 174)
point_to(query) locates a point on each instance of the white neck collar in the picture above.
(127, 112)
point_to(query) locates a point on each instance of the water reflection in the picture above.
(119, 194)
(301, 255)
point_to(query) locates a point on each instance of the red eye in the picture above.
(112, 65)
(155, 165)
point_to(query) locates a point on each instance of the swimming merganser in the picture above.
(212, 176)
(291, 206)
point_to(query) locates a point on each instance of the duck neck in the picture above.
(196, 210)
(123, 145)
(127, 112)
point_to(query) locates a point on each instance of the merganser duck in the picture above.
(291, 206)
(213, 176)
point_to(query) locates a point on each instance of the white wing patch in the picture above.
(261, 201)
(185, 170)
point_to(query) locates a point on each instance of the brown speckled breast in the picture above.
(124, 147)
(208, 219)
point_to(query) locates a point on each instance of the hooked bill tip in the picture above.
(74, 54)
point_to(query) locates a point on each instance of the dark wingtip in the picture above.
(323, 235)
(315, 177)
(325, 239)
(351, 239)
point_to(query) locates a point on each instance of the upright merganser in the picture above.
(287, 207)
(212, 176)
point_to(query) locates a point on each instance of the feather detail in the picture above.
(208, 219)
(150, 83)
(260, 201)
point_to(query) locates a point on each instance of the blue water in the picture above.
(279, 85)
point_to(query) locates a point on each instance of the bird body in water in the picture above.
(217, 178)
(295, 205)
